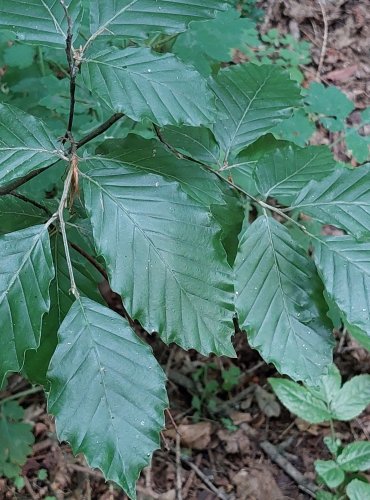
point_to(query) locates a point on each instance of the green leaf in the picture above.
(198, 143)
(330, 473)
(329, 101)
(358, 145)
(42, 21)
(342, 200)
(138, 18)
(352, 399)
(283, 173)
(16, 439)
(26, 273)
(107, 392)
(275, 286)
(87, 278)
(215, 39)
(196, 182)
(300, 400)
(171, 267)
(358, 490)
(16, 214)
(253, 99)
(344, 265)
(328, 385)
(355, 457)
(25, 144)
(298, 128)
(143, 84)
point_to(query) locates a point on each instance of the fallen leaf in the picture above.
(234, 442)
(256, 484)
(238, 417)
(267, 402)
(341, 75)
(194, 436)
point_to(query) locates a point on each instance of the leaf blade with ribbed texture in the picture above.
(253, 100)
(107, 392)
(198, 183)
(170, 268)
(283, 173)
(138, 18)
(143, 84)
(26, 272)
(344, 266)
(342, 200)
(275, 286)
(25, 144)
(41, 21)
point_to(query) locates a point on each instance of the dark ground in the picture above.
(230, 463)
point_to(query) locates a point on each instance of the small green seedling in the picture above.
(331, 401)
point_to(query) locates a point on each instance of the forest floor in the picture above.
(230, 438)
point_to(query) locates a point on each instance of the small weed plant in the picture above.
(331, 401)
(127, 154)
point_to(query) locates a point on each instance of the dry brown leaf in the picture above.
(341, 75)
(238, 417)
(234, 442)
(256, 484)
(194, 436)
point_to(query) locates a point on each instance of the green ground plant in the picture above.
(331, 401)
(123, 159)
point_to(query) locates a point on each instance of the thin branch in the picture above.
(325, 39)
(91, 259)
(8, 188)
(100, 130)
(31, 202)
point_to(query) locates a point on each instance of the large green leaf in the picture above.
(253, 99)
(143, 84)
(344, 265)
(87, 279)
(342, 199)
(352, 398)
(137, 18)
(26, 272)
(163, 254)
(16, 214)
(288, 169)
(199, 184)
(358, 490)
(275, 287)
(107, 392)
(41, 21)
(25, 144)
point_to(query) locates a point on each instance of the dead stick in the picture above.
(303, 483)
(204, 478)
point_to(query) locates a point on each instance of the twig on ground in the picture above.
(325, 40)
(303, 483)
(178, 468)
(191, 477)
(204, 478)
(29, 488)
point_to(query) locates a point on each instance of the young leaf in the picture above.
(39, 21)
(352, 399)
(289, 169)
(16, 439)
(25, 144)
(328, 385)
(275, 284)
(355, 457)
(253, 99)
(298, 128)
(143, 84)
(26, 272)
(358, 490)
(300, 400)
(344, 265)
(329, 101)
(342, 199)
(107, 392)
(330, 472)
(163, 254)
(138, 18)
